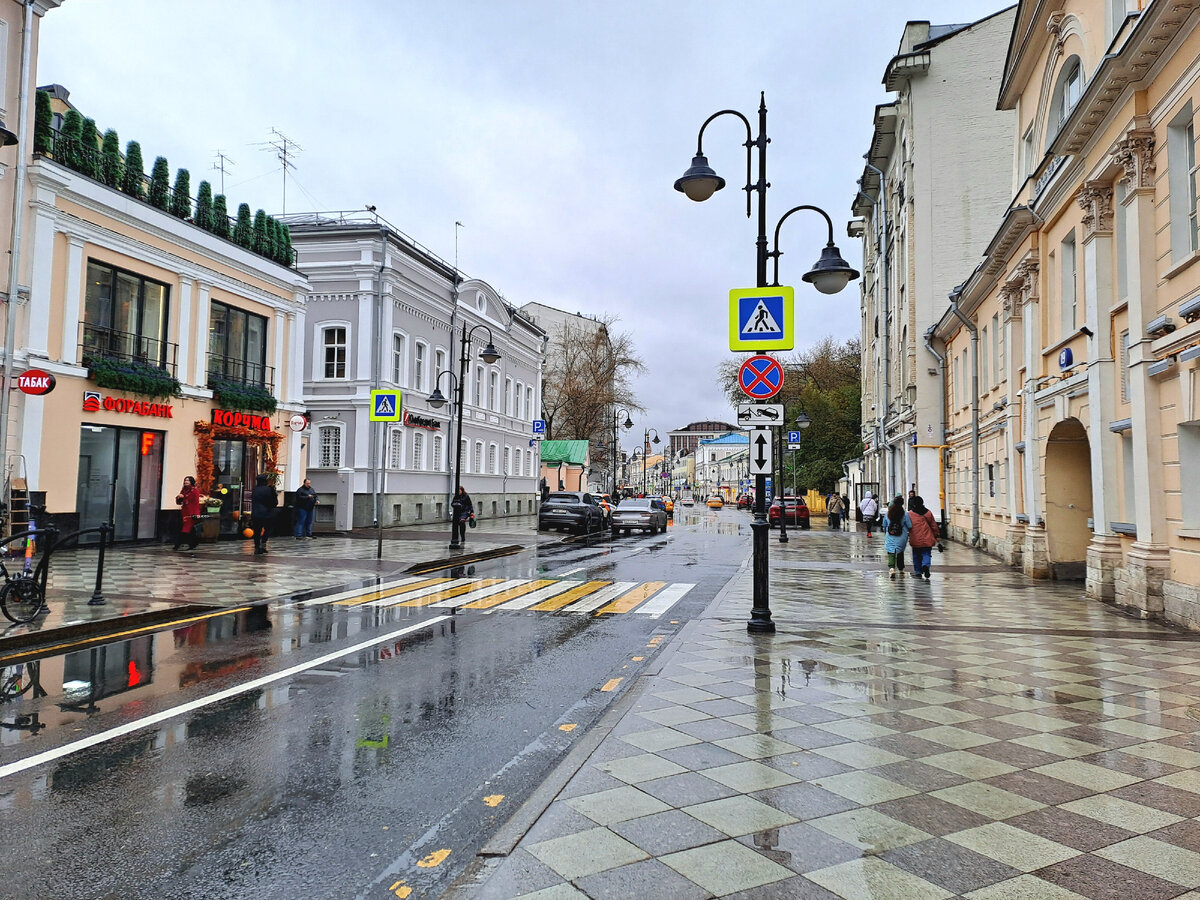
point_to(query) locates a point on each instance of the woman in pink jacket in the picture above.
(922, 537)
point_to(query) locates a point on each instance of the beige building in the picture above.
(1072, 348)
(935, 181)
(166, 343)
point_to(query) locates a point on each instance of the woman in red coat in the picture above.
(189, 502)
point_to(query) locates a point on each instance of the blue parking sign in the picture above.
(539, 426)
(793, 437)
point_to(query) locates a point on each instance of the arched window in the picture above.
(508, 396)
(329, 446)
(494, 391)
(395, 449)
(493, 461)
(520, 401)
(479, 386)
(1067, 92)
(477, 467)
(418, 457)
(436, 462)
(529, 404)
(399, 352)
(420, 361)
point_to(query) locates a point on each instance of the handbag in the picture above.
(471, 521)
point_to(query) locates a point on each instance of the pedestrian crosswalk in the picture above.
(650, 598)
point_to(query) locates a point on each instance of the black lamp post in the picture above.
(646, 440)
(802, 423)
(489, 355)
(829, 275)
(627, 424)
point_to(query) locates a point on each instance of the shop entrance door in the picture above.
(120, 481)
(235, 465)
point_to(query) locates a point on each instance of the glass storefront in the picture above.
(236, 464)
(120, 480)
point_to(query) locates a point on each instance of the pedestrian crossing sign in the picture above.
(385, 406)
(762, 319)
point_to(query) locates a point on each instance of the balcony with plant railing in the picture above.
(78, 147)
(241, 384)
(125, 361)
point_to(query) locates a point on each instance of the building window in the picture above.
(464, 450)
(334, 340)
(520, 401)
(1027, 158)
(439, 361)
(479, 386)
(478, 463)
(1121, 235)
(983, 356)
(1189, 471)
(507, 460)
(1182, 183)
(493, 460)
(436, 462)
(1125, 366)
(395, 449)
(494, 391)
(1069, 288)
(418, 457)
(1067, 92)
(508, 396)
(125, 317)
(329, 446)
(237, 346)
(399, 352)
(529, 403)
(996, 348)
(420, 351)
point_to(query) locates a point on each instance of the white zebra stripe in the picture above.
(463, 599)
(664, 600)
(359, 592)
(601, 597)
(420, 592)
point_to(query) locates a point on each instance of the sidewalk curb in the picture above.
(466, 559)
(32, 642)
(509, 835)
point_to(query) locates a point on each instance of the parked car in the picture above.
(716, 501)
(688, 501)
(745, 501)
(640, 513)
(606, 504)
(571, 510)
(668, 505)
(794, 508)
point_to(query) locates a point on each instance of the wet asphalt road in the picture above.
(376, 750)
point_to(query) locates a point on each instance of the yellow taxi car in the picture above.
(715, 501)
(670, 504)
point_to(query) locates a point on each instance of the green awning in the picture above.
(571, 452)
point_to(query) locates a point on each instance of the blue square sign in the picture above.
(761, 319)
(793, 437)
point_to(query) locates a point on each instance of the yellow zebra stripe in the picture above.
(570, 596)
(505, 596)
(629, 600)
(391, 592)
(450, 592)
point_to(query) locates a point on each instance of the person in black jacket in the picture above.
(263, 501)
(461, 512)
(305, 504)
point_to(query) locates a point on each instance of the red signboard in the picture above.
(760, 377)
(231, 419)
(94, 401)
(35, 381)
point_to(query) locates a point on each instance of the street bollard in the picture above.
(97, 594)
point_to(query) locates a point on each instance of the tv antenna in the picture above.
(285, 148)
(222, 165)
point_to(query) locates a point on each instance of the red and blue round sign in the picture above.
(760, 377)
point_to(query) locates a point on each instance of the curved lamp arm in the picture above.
(748, 145)
(776, 253)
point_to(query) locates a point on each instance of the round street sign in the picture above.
(35, 381)
(760, 377)
(298, 422)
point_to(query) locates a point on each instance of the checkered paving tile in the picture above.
(979, 735)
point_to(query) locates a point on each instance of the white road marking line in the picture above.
(420, 592)
(535, 597)
(569, 572)
(601, 597)
(665, 599)
(358, 592)
(472, 596)
(129, 727)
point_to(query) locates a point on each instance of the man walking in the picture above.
(835, 511)
(263, 501)
(869, 509)
(305, 505)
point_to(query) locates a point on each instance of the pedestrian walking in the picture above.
(898, 527)
(923, 535)
(305, 505)
(846, 511)
(263, 503)
(189, 513)
(869, 509)
(461, 512)
(912, 495)
(835, 511)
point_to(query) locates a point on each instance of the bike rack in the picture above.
(55, 543)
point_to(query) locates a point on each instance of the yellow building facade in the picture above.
(1070, 354)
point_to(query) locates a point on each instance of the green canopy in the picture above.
(571, 452)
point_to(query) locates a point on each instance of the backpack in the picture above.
(895, 529)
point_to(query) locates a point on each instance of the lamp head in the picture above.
(803, 421)
(699, 182)
(830, 273)
(628, 423)
(489, 354)
(7, 138)
(655, 440)
(437, 400)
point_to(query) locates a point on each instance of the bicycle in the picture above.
(21, 597)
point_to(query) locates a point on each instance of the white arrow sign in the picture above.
(760, 452)
(750, 414)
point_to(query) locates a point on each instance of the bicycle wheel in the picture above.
(21, 600)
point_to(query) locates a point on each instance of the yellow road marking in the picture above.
(401, 890)
(391, 592)
(568, 727)
(436, 858)
(630, 599)
(655, 641)
(611, 684)
(570, 596)
(505, 596)
(638, 658)
(493, 800)
(160, 626)
(450, 592)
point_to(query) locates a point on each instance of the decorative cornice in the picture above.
(1135, 154)
(1096, 199)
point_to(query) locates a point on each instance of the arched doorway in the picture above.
(1068, 499)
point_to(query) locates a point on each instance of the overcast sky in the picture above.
(552, 129)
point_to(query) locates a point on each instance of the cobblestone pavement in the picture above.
(980, 735)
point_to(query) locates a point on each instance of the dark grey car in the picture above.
(640, 513)
(573, 510)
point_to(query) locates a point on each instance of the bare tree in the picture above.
(587, 374)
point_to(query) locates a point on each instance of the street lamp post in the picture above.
(802, 423)
(627, 424)
(489, 355)
(646, 440)
(829, 275)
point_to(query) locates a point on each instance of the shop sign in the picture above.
(35, 381)
(94, 401)
(298, 422)
(421, 422)
(231, 419)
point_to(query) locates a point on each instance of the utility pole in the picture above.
(222, 165)
(285, 148)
